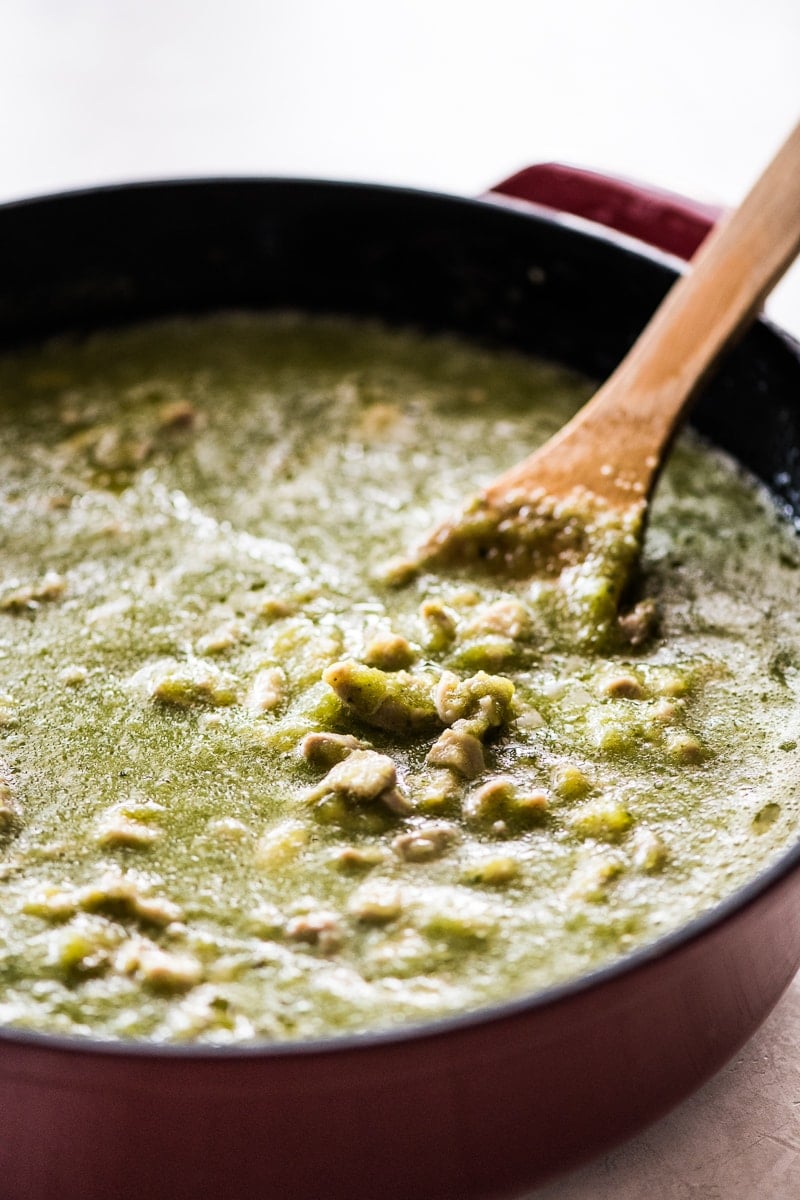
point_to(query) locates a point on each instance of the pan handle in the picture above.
(662, 219)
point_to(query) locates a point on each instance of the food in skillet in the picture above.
(253, 791)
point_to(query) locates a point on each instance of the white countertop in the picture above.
(738, 1138)
(451, 95)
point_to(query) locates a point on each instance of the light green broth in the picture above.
(252, 791)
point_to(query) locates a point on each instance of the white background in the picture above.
(690, 94)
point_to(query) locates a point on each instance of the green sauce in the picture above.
(250, 791)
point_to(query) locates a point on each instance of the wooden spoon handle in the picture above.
(615, 445)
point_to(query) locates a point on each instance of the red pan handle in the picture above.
(662, 219)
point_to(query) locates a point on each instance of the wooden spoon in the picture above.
(585, 492)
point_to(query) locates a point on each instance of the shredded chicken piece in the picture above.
(459, 750)
(29, 596)
(327, 749)
(426, 843)
(363, 777)
(396, 701)
(389, 652)
(320, 928)
(267, 691)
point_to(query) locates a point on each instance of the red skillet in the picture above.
(487, 1103)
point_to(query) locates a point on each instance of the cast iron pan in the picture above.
(475, 1106)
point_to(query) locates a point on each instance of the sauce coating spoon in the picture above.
(584, 494)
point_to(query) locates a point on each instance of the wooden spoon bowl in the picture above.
(584, 494)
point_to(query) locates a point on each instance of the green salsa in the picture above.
(253, 790)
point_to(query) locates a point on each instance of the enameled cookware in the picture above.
(488, 1103)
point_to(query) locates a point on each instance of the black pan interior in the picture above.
(86, 260)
